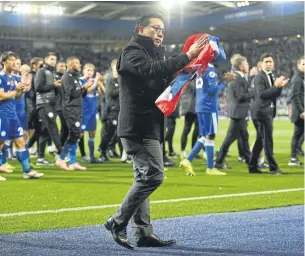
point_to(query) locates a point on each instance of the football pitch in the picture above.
(79, 198)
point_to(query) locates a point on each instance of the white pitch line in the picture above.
(76, 209)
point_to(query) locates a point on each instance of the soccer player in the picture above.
(89, 111)
(10, 127)
(207, 89)
(73, 93)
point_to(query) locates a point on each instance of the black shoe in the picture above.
(278, 172)
(153, 241)
(119, 237)
(255, 171)
(96, 161)
(104, 158)
(220, 166)
(294, 162)
(172, 155)
(167, 162)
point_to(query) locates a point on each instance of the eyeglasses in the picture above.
(157, 29)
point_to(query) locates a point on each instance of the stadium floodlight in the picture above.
(270, 38)
(298, 36)
(173, 46)
(8, 8)
(168, 4)
(182, 2)
(212, 28)
(52, 10)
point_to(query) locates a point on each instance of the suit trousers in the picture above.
(237, 128)
(297, 135)
(171, 126)
(148, 175)
(190, 118)
(264, 140)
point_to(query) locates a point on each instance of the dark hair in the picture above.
(266, 55)
(35, 61)
(144, 20)
(50, 54)
(300, 58)
(4, 56)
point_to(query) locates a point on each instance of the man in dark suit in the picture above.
(297, 110)
(143, 74)
(239, 97)
(267, 89)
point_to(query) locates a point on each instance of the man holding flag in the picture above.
(143, 76)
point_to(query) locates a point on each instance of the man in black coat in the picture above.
(297, 109)
(267, 89)
(143, 74)
(109, 129)
(239, 97)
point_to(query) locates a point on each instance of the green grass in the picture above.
(107, 184)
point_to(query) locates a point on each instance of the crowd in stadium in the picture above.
(285, 52)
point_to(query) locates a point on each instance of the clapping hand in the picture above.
(281, 81)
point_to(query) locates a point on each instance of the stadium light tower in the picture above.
(168, 4)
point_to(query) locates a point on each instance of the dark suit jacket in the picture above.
(239, 96)
(265, 95)
(297, 96)
(143, 76)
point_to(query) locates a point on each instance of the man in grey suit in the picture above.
(297, 110)
(239, 96)
(143, 76)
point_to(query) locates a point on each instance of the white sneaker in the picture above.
(52, 149)
(85, 159)
(33, 175)
(124, 157)
(32, 151)
(2, 178)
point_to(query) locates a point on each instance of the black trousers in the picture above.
(36, 125)
(171, 126)
(264, 139)
(73, 124)
(48, 116)
(64, 131)
(297, 135)
(108, 131)
(300, 142)
(237, 128)
(190, 119)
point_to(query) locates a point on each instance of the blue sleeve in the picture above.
(2, 82)
(210, 84)
(221, 85)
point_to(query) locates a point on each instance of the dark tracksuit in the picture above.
(73, 94)
(46, 102)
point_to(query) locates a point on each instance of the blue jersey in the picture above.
(20, 103)
(7, 107)
(90, 101)
(207, 89)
